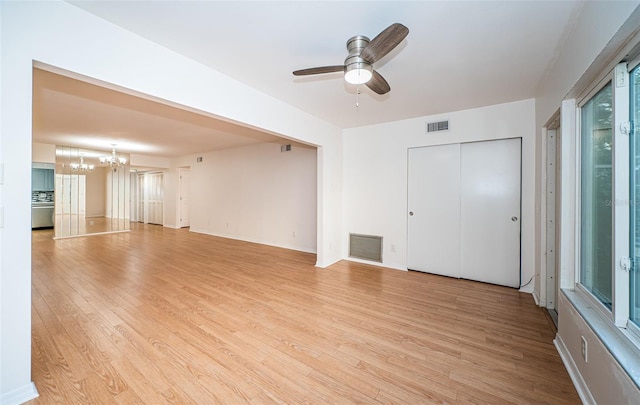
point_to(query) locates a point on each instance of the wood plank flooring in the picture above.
(158, 315)
(68, 225)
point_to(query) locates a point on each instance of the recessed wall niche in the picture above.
(91, 197)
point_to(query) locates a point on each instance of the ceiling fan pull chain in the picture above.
(358, 97)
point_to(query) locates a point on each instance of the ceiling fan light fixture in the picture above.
(358, 73)
(363, 53)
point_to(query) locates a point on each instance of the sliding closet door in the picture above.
(464, 211)
(490, 211)
(434, 210)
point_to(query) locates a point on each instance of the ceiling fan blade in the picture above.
(384, 42)
(378, 84)
(318, 70)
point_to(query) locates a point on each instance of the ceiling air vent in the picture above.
(437, 126)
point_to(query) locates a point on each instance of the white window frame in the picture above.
(613, 327)
(621, 187)
(616, 211)
(632, 329)
(619, 313)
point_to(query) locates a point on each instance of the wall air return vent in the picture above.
(365, 247)
(437, 126)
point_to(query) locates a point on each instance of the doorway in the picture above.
(464, 211)
(150, 198)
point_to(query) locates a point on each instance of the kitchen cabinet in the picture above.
(42, 180)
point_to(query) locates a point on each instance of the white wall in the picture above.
(43, 153)
(56, 33)
(591, 39)
(375, 171)
(257, 193)
(607, 382)
(149, 161)
(588, 37)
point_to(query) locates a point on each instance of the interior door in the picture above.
(434, 210)
(490, 211)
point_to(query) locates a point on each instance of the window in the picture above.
(596, 196)
(606, 212)
(634, 176)
(609, 198)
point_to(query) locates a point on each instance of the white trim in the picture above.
(20, 395)
(633, 64)
(621, 202)
(594, 302)
(583, 99)
(527, 289)
(542, 223)
(581, 386)
(577, 207)
(549, 227)
(632, 332)
(179, 221)
(259, 242)
(567, 199)
(377, 264)
(535, 298)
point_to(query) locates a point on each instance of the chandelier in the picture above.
(114, 160)
(82, 166)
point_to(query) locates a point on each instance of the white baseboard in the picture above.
(527, 289)
(20, 395)
(284, 246)
(574, 373)
(535, 297)
(385, 265)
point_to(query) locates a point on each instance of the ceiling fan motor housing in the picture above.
(357, 70)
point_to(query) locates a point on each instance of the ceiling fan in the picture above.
(363, 53)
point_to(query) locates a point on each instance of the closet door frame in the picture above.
(427, 252)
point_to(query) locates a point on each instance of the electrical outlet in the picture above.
(393, 248)
(585, 353)
(294, 234)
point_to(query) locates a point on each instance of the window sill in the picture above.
(622, 344)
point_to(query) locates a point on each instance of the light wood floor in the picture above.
(73, 225)
(166, 316)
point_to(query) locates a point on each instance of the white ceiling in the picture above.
(75, 113)
(458, 55)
